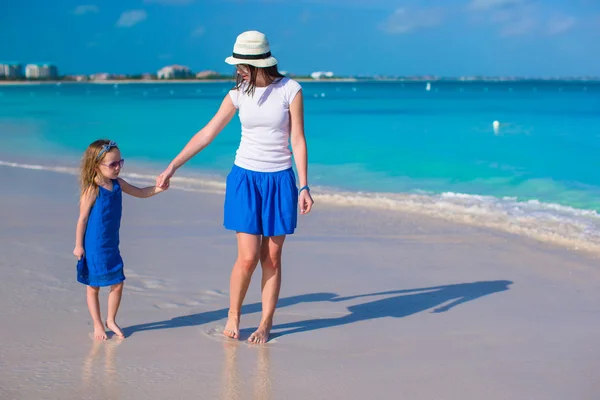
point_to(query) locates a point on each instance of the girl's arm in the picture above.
(299, 148)
(85, 205)
(141, 193)
(201, 139)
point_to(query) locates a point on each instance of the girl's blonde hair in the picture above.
(92, 157)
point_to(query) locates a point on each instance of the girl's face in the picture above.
(243, 71)
(111, 164)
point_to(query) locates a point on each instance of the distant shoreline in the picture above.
(329, 80)
(160, 81)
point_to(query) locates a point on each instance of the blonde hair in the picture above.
(89, 165)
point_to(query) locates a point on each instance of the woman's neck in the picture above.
(261, 80)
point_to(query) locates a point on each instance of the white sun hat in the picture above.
(252, 48)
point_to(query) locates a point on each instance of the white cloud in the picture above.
(131, 18)
(170, 2)
(199, 31)
(85, 9)
(482, 5)
(521, 17)
(501, 16)
(519, 27)
(406, 20)
(560, 25)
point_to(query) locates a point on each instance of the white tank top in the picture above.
(265, 119)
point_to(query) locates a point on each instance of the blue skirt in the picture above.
(261, 203)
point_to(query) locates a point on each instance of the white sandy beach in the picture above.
(373, 305)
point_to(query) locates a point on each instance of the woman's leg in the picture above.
(114, 300)
(94, 307)
(248, 253)
(270, 261)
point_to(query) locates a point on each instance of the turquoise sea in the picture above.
(391, 145)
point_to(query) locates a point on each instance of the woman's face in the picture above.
(243, 71)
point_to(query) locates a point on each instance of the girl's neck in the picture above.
(102, 181)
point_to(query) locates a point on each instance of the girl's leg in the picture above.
(247, 259)
(270, 261)
(94, 307)
(114, 300)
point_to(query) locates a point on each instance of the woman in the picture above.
(261, 196)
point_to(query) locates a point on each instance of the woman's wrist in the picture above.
(173, 167)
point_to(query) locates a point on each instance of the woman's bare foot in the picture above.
(261, 335)
(232, 328)
(99, 333)
(112, 325)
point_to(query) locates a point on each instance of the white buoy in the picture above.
(496, 125)
(428, 88)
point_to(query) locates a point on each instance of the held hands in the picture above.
(163, 180)
(305, 200)
(163, 188)
(79, 252)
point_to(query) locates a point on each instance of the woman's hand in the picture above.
(79, 252)
(163, 180)
(305, 200)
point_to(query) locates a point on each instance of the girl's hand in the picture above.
(160, 189)
(79, 252)
(162, 181)
(305, 200)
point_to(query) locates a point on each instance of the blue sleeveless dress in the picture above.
(102, 264)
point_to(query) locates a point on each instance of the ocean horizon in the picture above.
(395, 145)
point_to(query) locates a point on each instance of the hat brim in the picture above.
(262, 63)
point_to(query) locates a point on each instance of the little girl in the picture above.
(97, 235)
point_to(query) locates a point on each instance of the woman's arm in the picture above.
(298, 139)
(85, 205)
(141, 193)
(299, 148)
(201, 139)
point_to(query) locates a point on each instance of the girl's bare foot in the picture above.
(99, 333)
(232, 328)
(261, 335)
(112, 325)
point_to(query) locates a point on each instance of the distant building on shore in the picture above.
(41, 71)
(206, 74)
(11, 70)
(321, 74)
(101, 76)
(174, 72)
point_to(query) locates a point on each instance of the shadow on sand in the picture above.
(398, 304)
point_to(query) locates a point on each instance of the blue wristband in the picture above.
(304, 188)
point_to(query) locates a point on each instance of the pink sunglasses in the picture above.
(114, 164)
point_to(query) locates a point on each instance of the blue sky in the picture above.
(348, 37)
